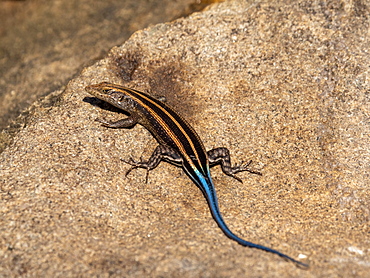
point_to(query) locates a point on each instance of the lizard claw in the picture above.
(131, 162)
(244, 167)
(135, 165)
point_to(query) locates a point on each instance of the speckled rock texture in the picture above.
(45, 43)
(284, 83)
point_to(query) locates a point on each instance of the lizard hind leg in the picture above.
(160, 153)
(222, 156)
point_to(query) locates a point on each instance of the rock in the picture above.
(284, 84)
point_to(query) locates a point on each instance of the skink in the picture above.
(179, 144)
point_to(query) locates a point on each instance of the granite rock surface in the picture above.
(284, 83)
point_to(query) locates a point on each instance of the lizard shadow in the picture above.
(104, 105)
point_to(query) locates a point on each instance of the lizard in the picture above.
(179, 144)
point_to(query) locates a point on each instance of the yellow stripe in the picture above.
(167, 128)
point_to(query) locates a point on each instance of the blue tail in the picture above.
(209, 192)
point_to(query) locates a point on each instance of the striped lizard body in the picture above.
(179, 144)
